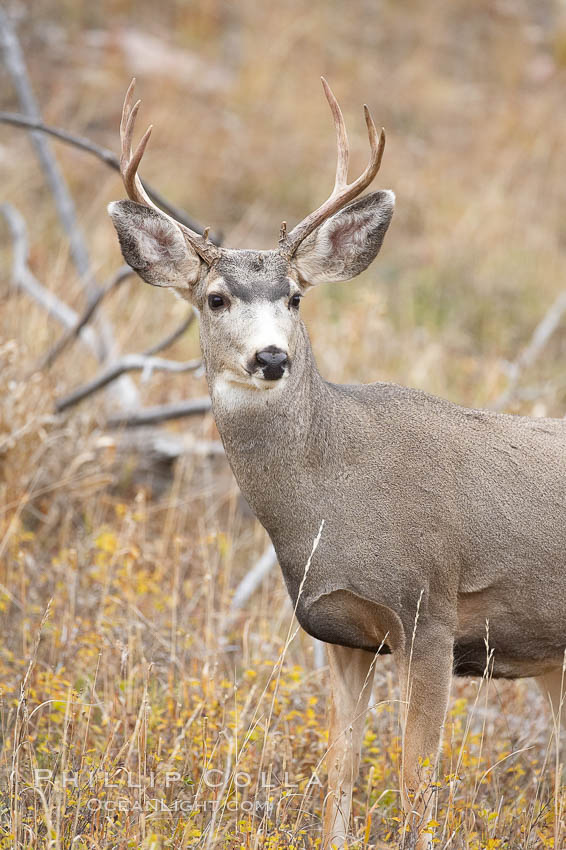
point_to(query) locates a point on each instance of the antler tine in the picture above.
(127, 108)
(129, 130)
(343, 192)
(342, 146)
(129, 164)
(132, 181)
(377, 146)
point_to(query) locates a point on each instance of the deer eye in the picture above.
(295, 301)
(215, 302)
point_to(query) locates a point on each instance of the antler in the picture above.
(129, 164)
(343, 192)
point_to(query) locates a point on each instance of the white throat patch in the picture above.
(235, 392)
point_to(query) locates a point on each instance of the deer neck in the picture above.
(268, 434)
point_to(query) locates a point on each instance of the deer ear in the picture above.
(348, 242)
(154, 246)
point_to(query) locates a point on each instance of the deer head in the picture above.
(249, 300)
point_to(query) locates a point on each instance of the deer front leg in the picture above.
(553, 687)
(351, 677)
(426, 673)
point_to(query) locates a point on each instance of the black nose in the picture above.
(272, 361)
(271, 356)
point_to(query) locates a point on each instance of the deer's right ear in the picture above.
(154, 246)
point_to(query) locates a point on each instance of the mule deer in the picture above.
(437, 518)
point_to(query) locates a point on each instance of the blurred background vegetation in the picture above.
(472, 99)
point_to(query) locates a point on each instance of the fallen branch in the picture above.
(72, 333)
(248, 586)
(108, 157)
(101, 340)
(24, 279)
(253, 579)
(127, 363)
(160, 445)
(540, 336)
(160, 413)
(125, 393)
(172, 337)
(23, 122)
(16, 66)
(77, 326)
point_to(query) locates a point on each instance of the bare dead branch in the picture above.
(319, 654)
(16, 119)
(117, 278)
(16, 66)
(540, 336)
(251, 583)
(253, 579)
(108, 157)
(72, 333)
(128, 363)
(160, 413)
(24, 279)
(172, 337)
(158, 446)
(125, 392)
(101, 344)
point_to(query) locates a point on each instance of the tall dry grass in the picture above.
(119, 665)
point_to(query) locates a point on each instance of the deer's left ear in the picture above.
(348, 242)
